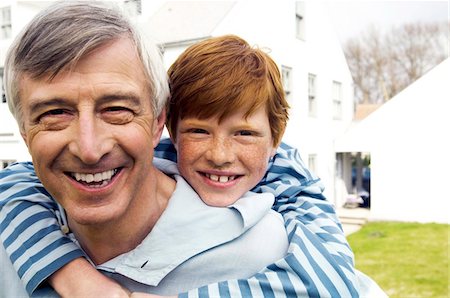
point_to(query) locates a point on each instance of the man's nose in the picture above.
(91, 140)
(221, 152)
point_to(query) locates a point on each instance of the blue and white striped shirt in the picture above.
(319, 262)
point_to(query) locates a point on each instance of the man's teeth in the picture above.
(96, 177)
(221, 179)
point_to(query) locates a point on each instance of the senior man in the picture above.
(89, 101)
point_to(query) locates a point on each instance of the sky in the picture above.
(353, 17)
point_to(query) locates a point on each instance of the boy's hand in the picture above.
(145, 295)
(79, 279)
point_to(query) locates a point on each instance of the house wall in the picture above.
(408, 141)
(12, 147)
(410, 159)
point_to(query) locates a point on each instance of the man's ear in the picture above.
(25, 139)
(158, 127)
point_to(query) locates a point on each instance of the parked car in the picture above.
(363, 193)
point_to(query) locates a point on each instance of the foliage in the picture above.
(405, 259)
(383, 64)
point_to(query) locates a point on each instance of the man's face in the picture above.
(222, 161)
(91, 133)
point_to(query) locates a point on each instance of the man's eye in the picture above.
(118, 115)
(117, 109)
(55, 112)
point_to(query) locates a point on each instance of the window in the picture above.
(312, 100)
(2, 89)
(5, 22)
(286, 77)
(133, 7)
(300, 20)
(312, 163)
(337, 100)
(340, 165)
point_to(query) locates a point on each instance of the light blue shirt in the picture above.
(194, 244)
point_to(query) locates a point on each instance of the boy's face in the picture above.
(222, 161)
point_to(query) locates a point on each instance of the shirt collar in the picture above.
(186, 228)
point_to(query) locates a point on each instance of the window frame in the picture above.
(286, 80)
(312, 95)
(336, 95)
(5, 23)
(300, 20)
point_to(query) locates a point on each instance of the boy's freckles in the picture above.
(222, 161)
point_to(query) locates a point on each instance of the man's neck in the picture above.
(105, 241)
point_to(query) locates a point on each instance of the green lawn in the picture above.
(405, 259)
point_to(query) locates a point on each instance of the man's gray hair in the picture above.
(59, 36)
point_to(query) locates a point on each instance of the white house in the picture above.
(408, 139)
(300, 38)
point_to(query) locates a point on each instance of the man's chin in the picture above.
(91, 217)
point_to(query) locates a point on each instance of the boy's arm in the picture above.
(85, 281)
(32, 237)
(319, 262)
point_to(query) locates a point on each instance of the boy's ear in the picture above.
(173, 139)
(273, 152)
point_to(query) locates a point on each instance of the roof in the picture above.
(417, 111)
(364, 110)
(180, 21)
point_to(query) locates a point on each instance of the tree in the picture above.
(384, 64)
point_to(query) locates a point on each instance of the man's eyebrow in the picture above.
(130, 97)
(37, 105)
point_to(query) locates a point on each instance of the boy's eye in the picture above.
(198, 130)
(245, 133)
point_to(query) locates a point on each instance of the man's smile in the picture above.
(95, 179)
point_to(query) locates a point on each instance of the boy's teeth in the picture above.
(221, 179)
(97, 177)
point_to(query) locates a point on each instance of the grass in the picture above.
(405, 259)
